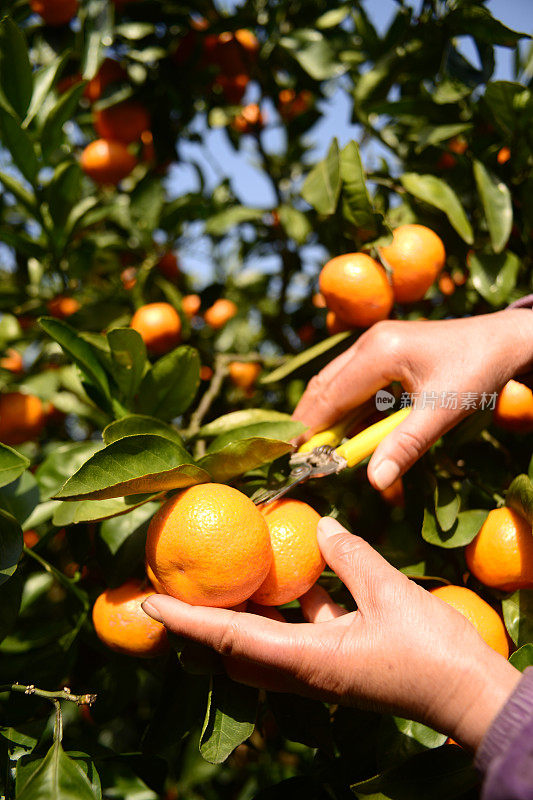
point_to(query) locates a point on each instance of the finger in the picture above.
(317, 605)
(361, 568)
(406, 443)
(351, 378)
(271, 612)
(230, 633)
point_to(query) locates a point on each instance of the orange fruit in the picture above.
(307, 333)
(249, 119)
(62, 307)
(220, 312)
(416, 256)
(159, 325)
(209, 545)
(483, 617)
(334, 324)
(153, 579)
(291, 104)
(12, 361)
(297, 561)
(122, 625)
(244, 374)
(501, 555)
(124, 122)
(446, 161)
(459, 278)
(446, 284)
(394, 494)
(514, 408)
(356, 288)
(168, 266)
(110, 72)
(232, 52)
(458, 145)
(232, 87)
(22, 417)
(206, 373)
(107, 161)
(190, 304)
(55, 12)
(128, 277)
(30, 538)
(318, 300)
(503, 155)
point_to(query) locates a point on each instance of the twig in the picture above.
(219, 373)
(55, 697)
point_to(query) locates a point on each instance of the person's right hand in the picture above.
(477, 354)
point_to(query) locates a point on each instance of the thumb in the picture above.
(358, 565)
(405, 444)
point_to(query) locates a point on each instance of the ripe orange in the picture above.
(232, 52)
(249, 119)
(128, 277)
(22, 417)
(297, 561)
(124, 122)
(394, 494)
(168, 266)
(107, 161)
(416, 256)
(110, 72)
(458, 145)
(244, 374)
(206, 373)
(334, 324)
(291, 104)
(514, 408)
(220, 312)
(446, 284)
(122, 625)
(62, 307)
(318, 300)
(483, 617)
(30, 538)
(232, 87)
(55, 12)
(160, 589)
(159, 325)
(356, 288)
(12, 361)
(209, 545)
(503, 155)
(190, 304)
(501, 555)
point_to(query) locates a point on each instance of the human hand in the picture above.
(403, 650)
(477, 354)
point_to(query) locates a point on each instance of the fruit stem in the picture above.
(54, 697)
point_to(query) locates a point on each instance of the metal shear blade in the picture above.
(319, 462)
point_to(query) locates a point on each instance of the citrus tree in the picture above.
(127, 377)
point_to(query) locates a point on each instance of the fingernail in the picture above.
(328, 526)
(385, 473)
(149, 608)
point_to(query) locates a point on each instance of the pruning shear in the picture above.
(321, 456)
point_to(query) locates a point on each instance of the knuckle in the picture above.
(384, 337)
(409, 444)
(228, 638)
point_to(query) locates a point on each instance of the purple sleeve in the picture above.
(505, 754)
(524, 302)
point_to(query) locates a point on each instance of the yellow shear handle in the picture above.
(364, 444)
(331, 436)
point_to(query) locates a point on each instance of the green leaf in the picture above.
(146, 204)
(82, 353)
(19, 144)
(221, 223)
(523, 657)
(518, 616)
(239, 457)
(519, 496)
(314, 54)
(441, 773)
(461, 533)
(12, 464)
(62, 462)
(282, 431)
(494, 275)
(70, 513)
(61, 112)
(230, 718)
(239, 419)
(330, 19)
(170, 386)
(437, 193)
(64, 191)
(504, 100)
(482, 26)
(21, 194)
(16, 82)
(497, 205)
(20, 497)
(11, 542)
(321, 188)
(447, 504)
(56, 775)
(43, 80)
(97, 34)
(295, 223)
(10, 597)
(128, 360)
(121, 544)
(139, 423)
(294, 363)
(133, 465)
(302, 719)
(355, 194)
